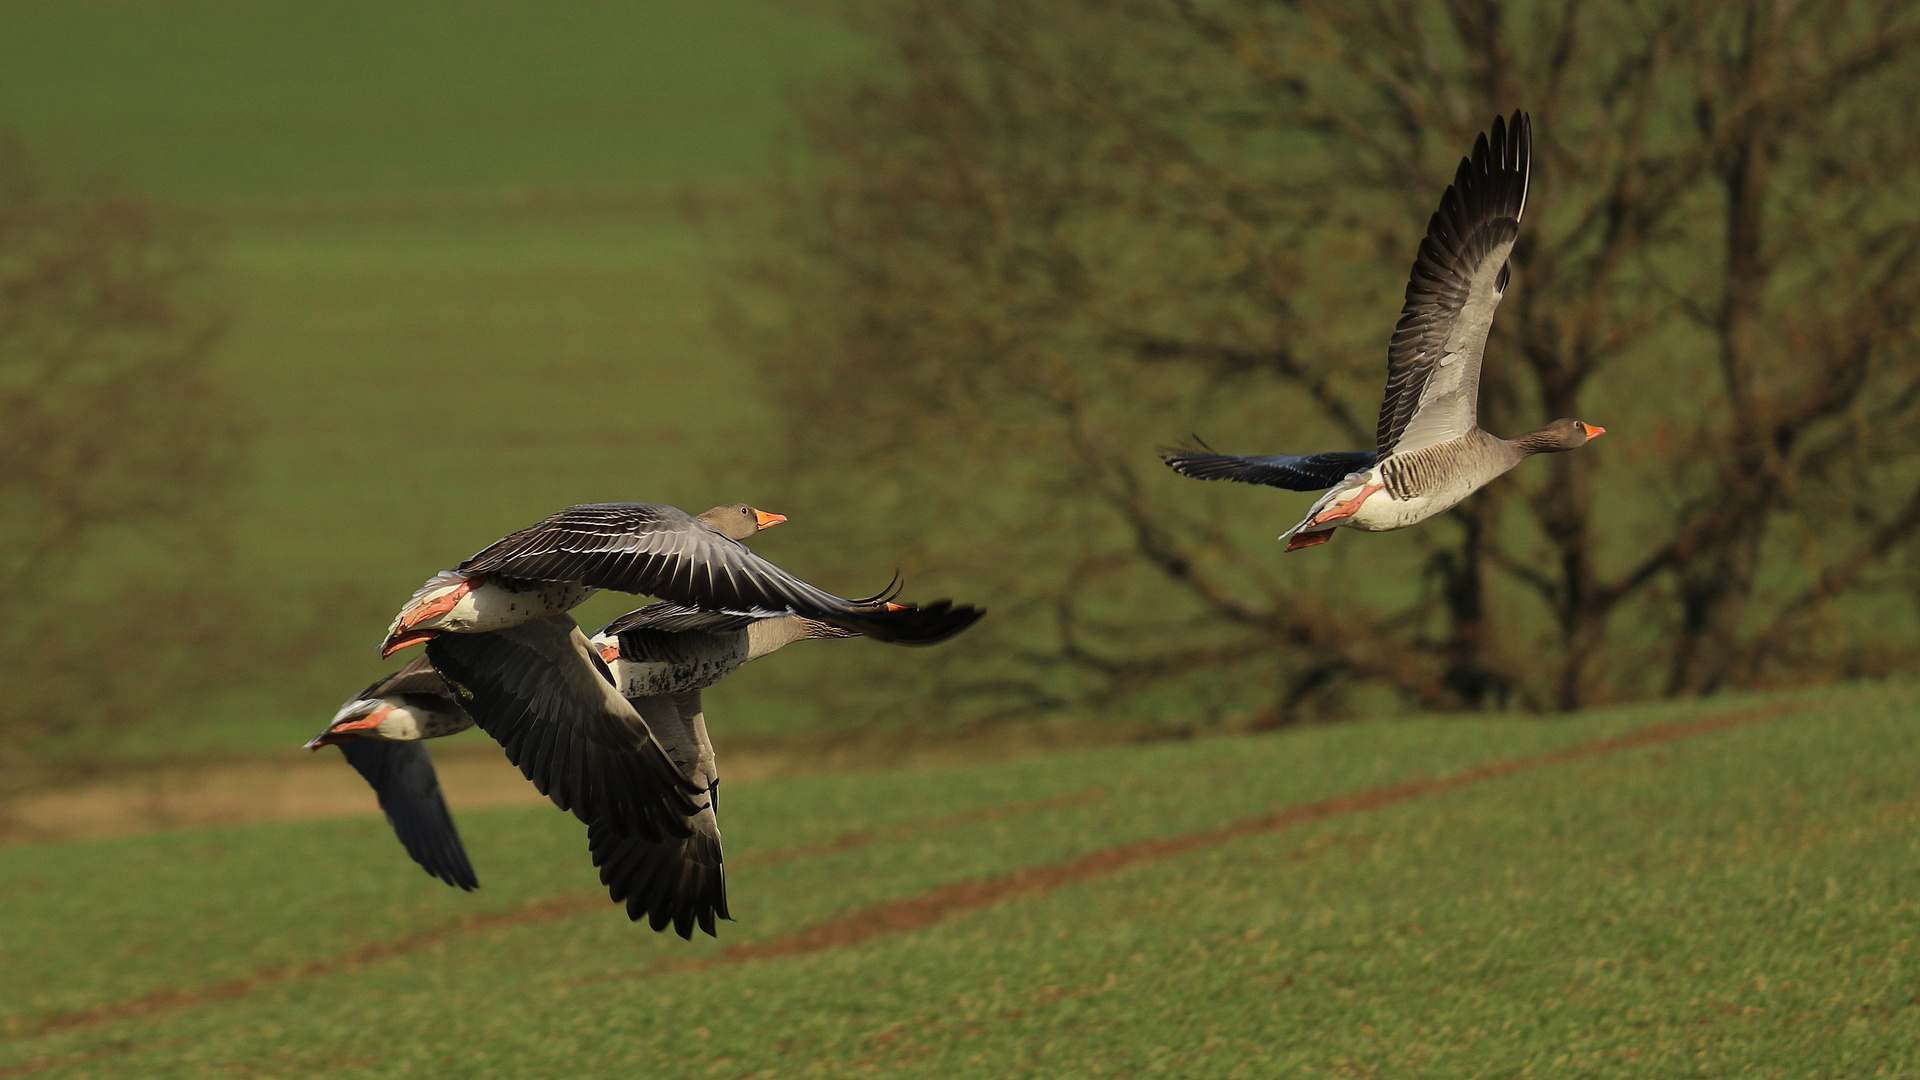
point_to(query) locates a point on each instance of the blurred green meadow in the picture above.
(1738, 901)
(437, 217)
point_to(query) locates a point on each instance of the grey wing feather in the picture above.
(1459, 275)
(1294, 472)
(546, 697)
(679, 882)
(655, 550)
(401, 775)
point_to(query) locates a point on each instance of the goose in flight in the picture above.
(1432, 452)
(660, 658)
(650, 549)
(379, 730)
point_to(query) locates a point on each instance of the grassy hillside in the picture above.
(265, 99)
(463, 292)
(1727, 894)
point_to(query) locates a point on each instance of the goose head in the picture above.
(1565, 433)
(737, 521)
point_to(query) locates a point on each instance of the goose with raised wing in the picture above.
(649, 549)
(1432, 452)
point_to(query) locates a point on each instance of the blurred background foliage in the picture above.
(118, 446)
(1047, 237)
(934, 279)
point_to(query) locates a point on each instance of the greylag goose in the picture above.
(1432, 451)
(650, 549)
(661, 657)
(379, 730)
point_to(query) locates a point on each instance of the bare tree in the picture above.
(116, 448)
(1053, 235)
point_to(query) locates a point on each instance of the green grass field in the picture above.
(258, 101)
(1731, 898)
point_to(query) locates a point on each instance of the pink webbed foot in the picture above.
(1309, 539)
(1345, 508)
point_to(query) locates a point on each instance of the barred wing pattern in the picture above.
(1458, 278)
(655, 550)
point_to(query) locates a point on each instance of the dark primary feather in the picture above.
(654, 550)
(678, 881)
(401, 774)
(1479, 213)
(1295, 472)
(681, 882)
(544, 695)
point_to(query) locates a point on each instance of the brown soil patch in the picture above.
(301, 785)
(913, 912)
(294, 786)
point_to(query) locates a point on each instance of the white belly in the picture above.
(1384, 513)
(494, 605)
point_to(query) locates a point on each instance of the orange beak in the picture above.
(766, 520)
(405, 639)
(349, 731)
(610, 653)
(1592, 432)
(416, 612)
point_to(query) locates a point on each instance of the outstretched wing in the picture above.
(401, 774)
(1433, 361)
(682, 881)
(1295, 472)
(655, 550)
(546, 697)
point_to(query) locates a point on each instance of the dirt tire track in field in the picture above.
(561, 907)
(908, 913)
(925, 909)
